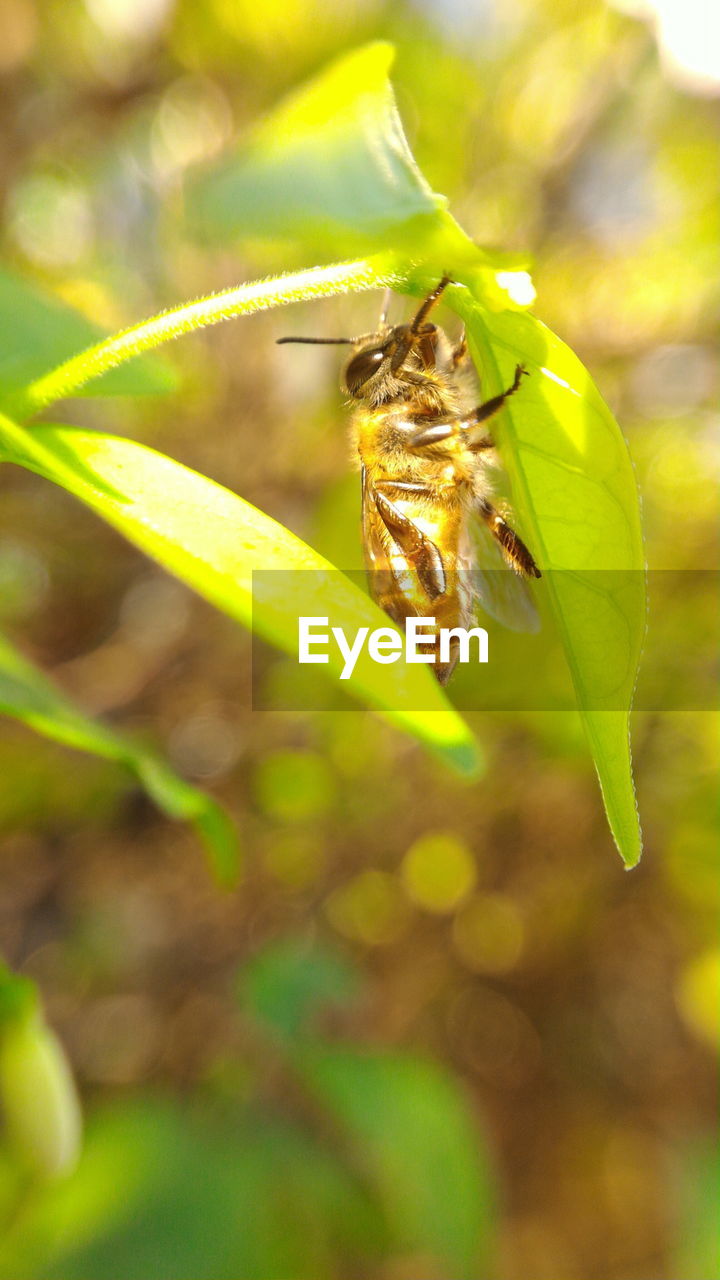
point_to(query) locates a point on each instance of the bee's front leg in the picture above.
(488, 410)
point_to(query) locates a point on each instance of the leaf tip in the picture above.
(466, 758)
(220, 837)
(381, 52)
(631, 860)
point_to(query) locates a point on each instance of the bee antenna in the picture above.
(318, 341)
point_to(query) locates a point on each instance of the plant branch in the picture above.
(318, 282)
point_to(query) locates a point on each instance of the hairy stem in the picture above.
(318, 282)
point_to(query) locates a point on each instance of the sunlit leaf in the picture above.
(68, 378)
(29, 696)
(576, 500)
(213, 540)
(330, 167)
(38, 332)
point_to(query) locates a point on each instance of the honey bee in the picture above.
(426, 462)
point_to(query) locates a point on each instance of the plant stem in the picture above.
(318, 282)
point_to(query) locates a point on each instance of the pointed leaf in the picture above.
(69, 377)
(212, 539)
(42, 1120)
(575, 497)
(330, 165)
(570, 475)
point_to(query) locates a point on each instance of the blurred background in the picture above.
(437, 1032)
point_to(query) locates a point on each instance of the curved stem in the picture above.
(318, 282)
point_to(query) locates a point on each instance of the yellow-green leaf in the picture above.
(330, 168)
(213, 540)
(42, 1121)
(574, 493)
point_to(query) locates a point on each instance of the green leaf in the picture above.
(330, 166)
(287, 984)
(574, 493)
(29, 696)
(693, 1194)
(42, 1121)
(38, 332)
(414, 1133)
(212, 539)
(165, 1190)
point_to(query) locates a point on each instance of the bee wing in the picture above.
(372, 543)
(373, 529)
(498, 589)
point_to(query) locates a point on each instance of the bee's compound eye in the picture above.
(363, 366)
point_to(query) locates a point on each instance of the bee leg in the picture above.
(477, 446)
(421, 553)
(426, 437)
(512, 547)
(460, 351)
(490, 408)
(402, 486)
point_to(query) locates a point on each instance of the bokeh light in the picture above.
(438, 872)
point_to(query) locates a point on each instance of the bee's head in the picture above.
(378, 361)
(387, 356)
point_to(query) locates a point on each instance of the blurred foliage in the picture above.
(38, 332)
(41, 1111)
(368, 1151)
(26, 694)
(569, 1002)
